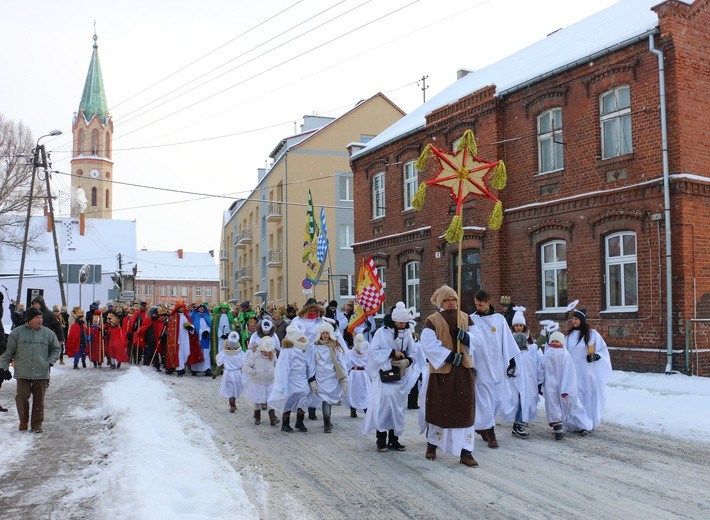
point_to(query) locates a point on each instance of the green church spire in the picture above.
(93, 99)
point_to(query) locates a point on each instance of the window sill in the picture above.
(554, 174)
(614, 160)
(620, 314)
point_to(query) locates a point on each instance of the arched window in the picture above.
(94, 196)
(80, 143)
(553, 261)
(550, 150)
(94, 142)
(615, 110)
(621, 272)
(107, 204)
(411, 285)
(107, 141)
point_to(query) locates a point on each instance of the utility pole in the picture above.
(424, 86)
(35, 164)
(50, 216)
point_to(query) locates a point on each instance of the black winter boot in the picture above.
(300, 415)
(381, 441)
(393, 442)
(312, 414)
(353, 412)
(232, 404)
(558, 431)
(257, 417)
(327, 426)
(286, 422)
(519, 430)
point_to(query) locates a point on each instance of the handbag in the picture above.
(390, 376)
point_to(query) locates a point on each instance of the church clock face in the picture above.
(94, 173)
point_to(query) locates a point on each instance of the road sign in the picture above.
(126, 296)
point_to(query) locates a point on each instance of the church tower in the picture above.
(91, 164)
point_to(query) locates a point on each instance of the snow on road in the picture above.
(135, 444)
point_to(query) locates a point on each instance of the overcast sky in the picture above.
(201, 92)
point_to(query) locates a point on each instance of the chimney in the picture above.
(179, 252)
(462, 73)
(211, 253)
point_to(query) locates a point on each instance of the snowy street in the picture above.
(135, 444)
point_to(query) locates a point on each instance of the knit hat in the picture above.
(296, 336)
(401, 313)
(580, 313)
(232, 340)
(325, 327)
(519, 317)
(266, 344)
(32, 313)
(360, 343)
(442, 293)
(557, 336)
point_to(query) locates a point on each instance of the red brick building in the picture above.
(603, 127)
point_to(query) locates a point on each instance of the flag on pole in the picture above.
(311, 243)
(369, 294)
(322, 248)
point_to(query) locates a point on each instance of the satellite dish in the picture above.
(84, 273)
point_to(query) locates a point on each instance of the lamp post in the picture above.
(35, 163)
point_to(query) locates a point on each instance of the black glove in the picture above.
(539, 389)
(205, 334)
(510, 371)
(224, 336)
(454, 358)
(593, 357)
(463, 337)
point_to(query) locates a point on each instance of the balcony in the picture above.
(273, 213)
(244, 274)
(242, 238)
(223, 254)
(275, 258)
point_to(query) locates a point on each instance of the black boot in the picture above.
(257, 417)
(286, 422)
(232, 404)
(272, 417)
(208, 372)
(558, 431)
(353, 412)
(181, 373)
(381, 441)
(492, 442)
(327, 426)
(299, 421)
(312, 414)
(393, 442)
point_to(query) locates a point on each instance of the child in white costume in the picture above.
(356, 364)
(231, 359)
(330, 380)
(527, 363)
(291, 389)
(259, 369)
(559, 385)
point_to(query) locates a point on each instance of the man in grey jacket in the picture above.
(34, 349)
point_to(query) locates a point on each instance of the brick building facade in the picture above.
(585, 206)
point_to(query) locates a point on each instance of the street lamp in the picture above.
(35, 162)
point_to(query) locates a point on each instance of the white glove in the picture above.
(314, 387)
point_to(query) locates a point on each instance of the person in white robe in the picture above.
(390, 347)
(258, 370)
(231, 360)
(593, 364)
(449, 384)
(358, 380)
(265, 329)
(330, 379)
(202, 320)
(291, 389)
(525, 381)
(494, 352)
(559, 386)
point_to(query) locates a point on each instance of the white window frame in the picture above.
(198, 291)
(183, 292)
(208, 292)
(622, 261)
(345, 191)
(411, 286)
(149, 290)
(346, 236)
(549, 141)
(410, 183)
(351, 281)
(382, 273)
(378, 195)
(163, 291)
(556, 266)
(618, 121)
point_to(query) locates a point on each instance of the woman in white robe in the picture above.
(231, 360)
(330, 380)
(359, 382)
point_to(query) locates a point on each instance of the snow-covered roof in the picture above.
(619, 23)
(167, 265)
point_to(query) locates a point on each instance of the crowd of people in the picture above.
(462, 372)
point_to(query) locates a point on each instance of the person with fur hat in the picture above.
(264, 329)
(115, 342)
(358, 381)
(593, 364)
(202, 320)
(309, 318)
(329, 380)
(78, 338)
(558, 379)
(388, 359)
(450, 404)
(525, 382)
(231, 359)
(494, 352)
(258, 371)
(291, 389)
